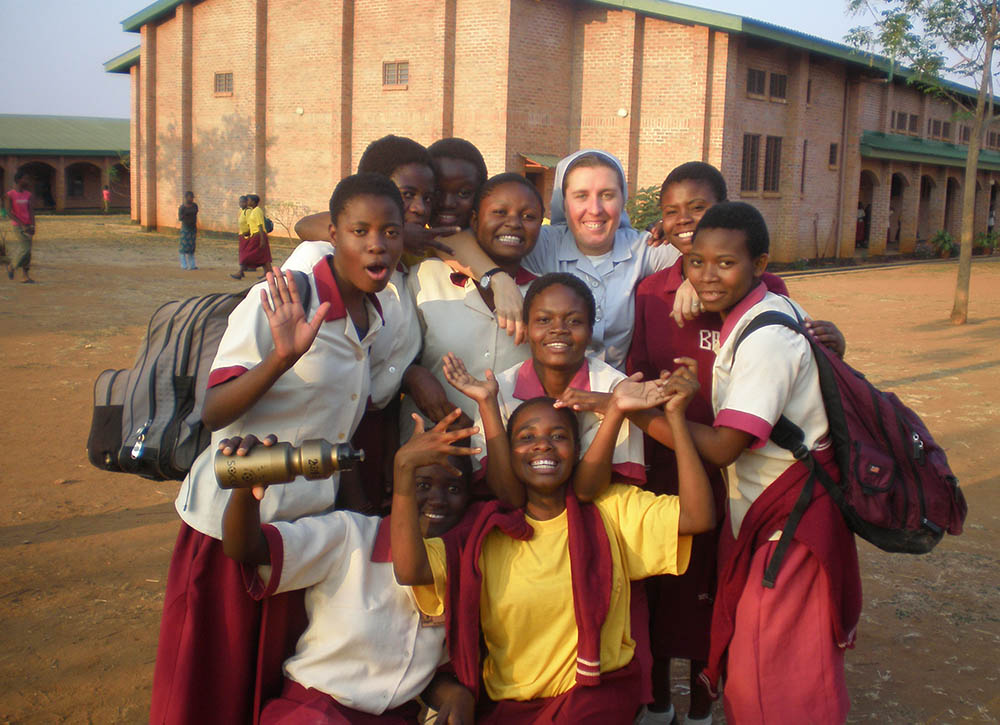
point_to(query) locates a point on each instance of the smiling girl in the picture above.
(546, 586)
(457, 314)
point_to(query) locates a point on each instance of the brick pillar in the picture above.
(785, 246)
(879, 227)
(852, 170)
(135, 143)
(185, 15)
(909, 212)
(448, 77)
(147, 151)
(343, 100)
(260, 101)
(59, 192)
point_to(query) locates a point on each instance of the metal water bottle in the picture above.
(283, 462)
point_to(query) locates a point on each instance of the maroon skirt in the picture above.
(613, 702)
(255, 251)
(299, 705)
(220, 651)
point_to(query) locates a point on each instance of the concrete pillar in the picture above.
(147, 151)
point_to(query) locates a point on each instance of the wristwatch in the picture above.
(484, 281)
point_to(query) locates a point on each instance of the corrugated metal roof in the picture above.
(897, 147)
(63, 135)
(121, 63)
(547, 160)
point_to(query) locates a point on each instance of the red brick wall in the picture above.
(169, 147)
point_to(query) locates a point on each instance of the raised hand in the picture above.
(435, 445)
(583, 400)
(456, 373)
(292, 334)
(633, 393)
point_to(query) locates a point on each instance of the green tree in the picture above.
(932, 38)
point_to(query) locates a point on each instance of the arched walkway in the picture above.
(897, 203)
(866, 195)
(120, 183)
(924, 223)
(953, 207)
(43, 179)
(83, 185)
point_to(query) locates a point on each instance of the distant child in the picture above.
(187, 214)
(276, 371)
(547, 586)
(367, 651)
(780, 648)
(18, 203)
(255, 251)
(106, 197)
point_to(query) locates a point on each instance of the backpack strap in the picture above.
(304, 289)
(790, 437)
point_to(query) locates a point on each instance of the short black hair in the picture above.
(254, 198)
(576, 284)
(459, 148)
(568, 414)
(385, 155)
(363, 185)
(740, 216)
(592, 160)
(697, 171)
(242, 198)
(509, 177)
(20, 174)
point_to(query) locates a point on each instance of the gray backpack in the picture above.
(147, 419)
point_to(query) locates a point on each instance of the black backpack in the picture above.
(147, 419)
(896, 489)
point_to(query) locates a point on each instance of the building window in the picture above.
(935, 128)
(834, 159)
(396, 73)
(224, 83)
(772, 164)
(914, 120)
(751, 155)
(779, 86)
(755, 82)
(946, 131)
(966, 134)
(809, 91)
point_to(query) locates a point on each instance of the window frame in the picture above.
(772, 165)
(396, 82)
(225, 88)
(749, 171)
(782, 78)
(762, 93)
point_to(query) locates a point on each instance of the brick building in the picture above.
(70, 159)
(280, 98)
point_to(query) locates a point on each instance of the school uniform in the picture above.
(366, 649)
(394, 349)
(520, 383)
(613, 279)
(454, 318)
(538, 648)
(255, 250)
(204, 670)
(680, 607)
(785, 644)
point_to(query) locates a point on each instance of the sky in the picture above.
(54, 50)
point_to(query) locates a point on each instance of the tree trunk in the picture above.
(960, 310)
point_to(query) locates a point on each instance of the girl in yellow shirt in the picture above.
(548, 585)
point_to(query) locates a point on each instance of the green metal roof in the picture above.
(151, 12)
(63, 135)
(122, 63)
(897, 147)
(547, 160)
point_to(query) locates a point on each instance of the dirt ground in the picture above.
(85, 553)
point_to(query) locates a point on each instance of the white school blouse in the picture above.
(398, 344)
(773, 374)
(454, 318)
(322, 396)
(366, 644)
(612, 281)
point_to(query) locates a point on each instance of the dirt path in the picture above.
(85, 553)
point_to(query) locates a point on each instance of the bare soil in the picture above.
(85, 552)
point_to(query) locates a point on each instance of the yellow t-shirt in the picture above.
(244, 224)
(255, 218)
(526, 608)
